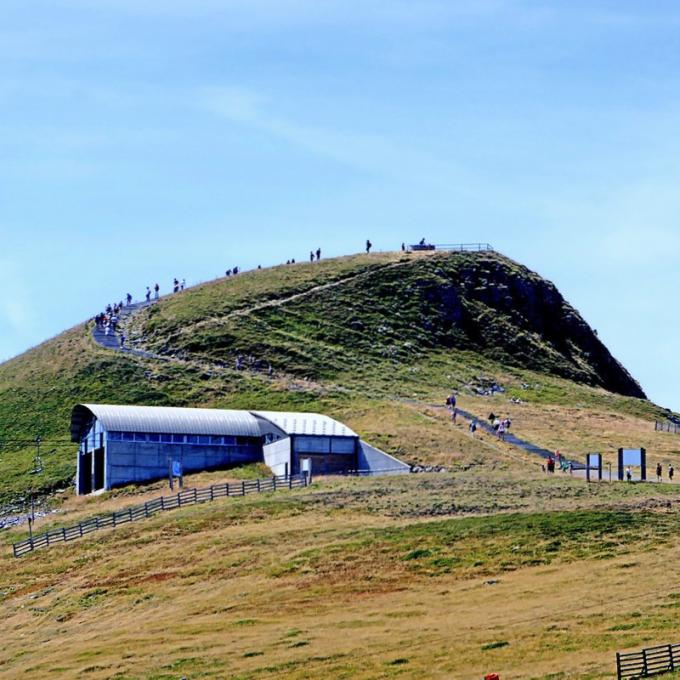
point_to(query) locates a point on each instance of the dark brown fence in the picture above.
(134, 513)
(667, 426)
(648, 662)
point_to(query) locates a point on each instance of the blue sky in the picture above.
(143, 139)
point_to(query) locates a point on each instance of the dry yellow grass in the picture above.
(297, 587)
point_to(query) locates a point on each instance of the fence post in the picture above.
(670, 656)
(274, 482)
(195, 495)
(644, 662)
(130, 513)
(80, 526)
(212, 494)
(258, 485)
(290, 482)
(162, 502)
(179, 500)
(146, 509)
(226, 487)
(114, 519)
(243, 488)
(618, 666)
(63, 534)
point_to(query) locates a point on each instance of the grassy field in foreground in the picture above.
(357, 578)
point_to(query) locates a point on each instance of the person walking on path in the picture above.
(369, 245)
(659, 472)
(129, 299)
(318, 254)
(122, 340)
(148, 294)
(670, 473)
(629, 474)
(454, 414)
(184, 283)
(473, 427)
(156, 288)
(501, 430)
(311, 256)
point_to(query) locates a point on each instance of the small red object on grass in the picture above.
(492, 676)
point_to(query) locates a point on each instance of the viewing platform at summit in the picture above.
(423, 245)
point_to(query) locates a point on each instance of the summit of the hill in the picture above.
(320, 319)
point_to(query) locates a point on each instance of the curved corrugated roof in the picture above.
(164, 419)
(306, 423)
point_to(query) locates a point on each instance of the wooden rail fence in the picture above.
(667, 426)
(648, 662)
(161, 504)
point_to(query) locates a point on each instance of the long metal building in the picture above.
(121, 445)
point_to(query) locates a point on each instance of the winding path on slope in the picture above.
(112, 341)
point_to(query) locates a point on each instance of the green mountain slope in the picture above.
(353, 337)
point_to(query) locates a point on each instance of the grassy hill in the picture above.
(350, 336)
(491, 566)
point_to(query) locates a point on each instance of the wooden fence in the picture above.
(648, 662)
(134, 513)
(667, 426)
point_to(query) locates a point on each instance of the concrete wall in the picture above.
(375, 461)
(277, 456)
(128, 462)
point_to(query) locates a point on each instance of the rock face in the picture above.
(481, 302)
(507, 312)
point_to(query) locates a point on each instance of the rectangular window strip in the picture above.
(196, 439)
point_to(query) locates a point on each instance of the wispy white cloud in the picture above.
(368, 152)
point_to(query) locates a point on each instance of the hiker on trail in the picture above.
(422, 241)
(659, 472)
(507, 423)
(148, 294)
(175, 285)
(629, 474)
(571, 468)
(558, 457)
(454, 414)
(311, 256)
(292, 261)
(496, 424)
(156, 288)
(670, 473)
(492, 417)
(318, 254)
(235, 270)
(369, 245)
(501, 430)
(184, 283)
(122, 340)
(287, 261)
(403, 247)
(473, 427)
(129, 299)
